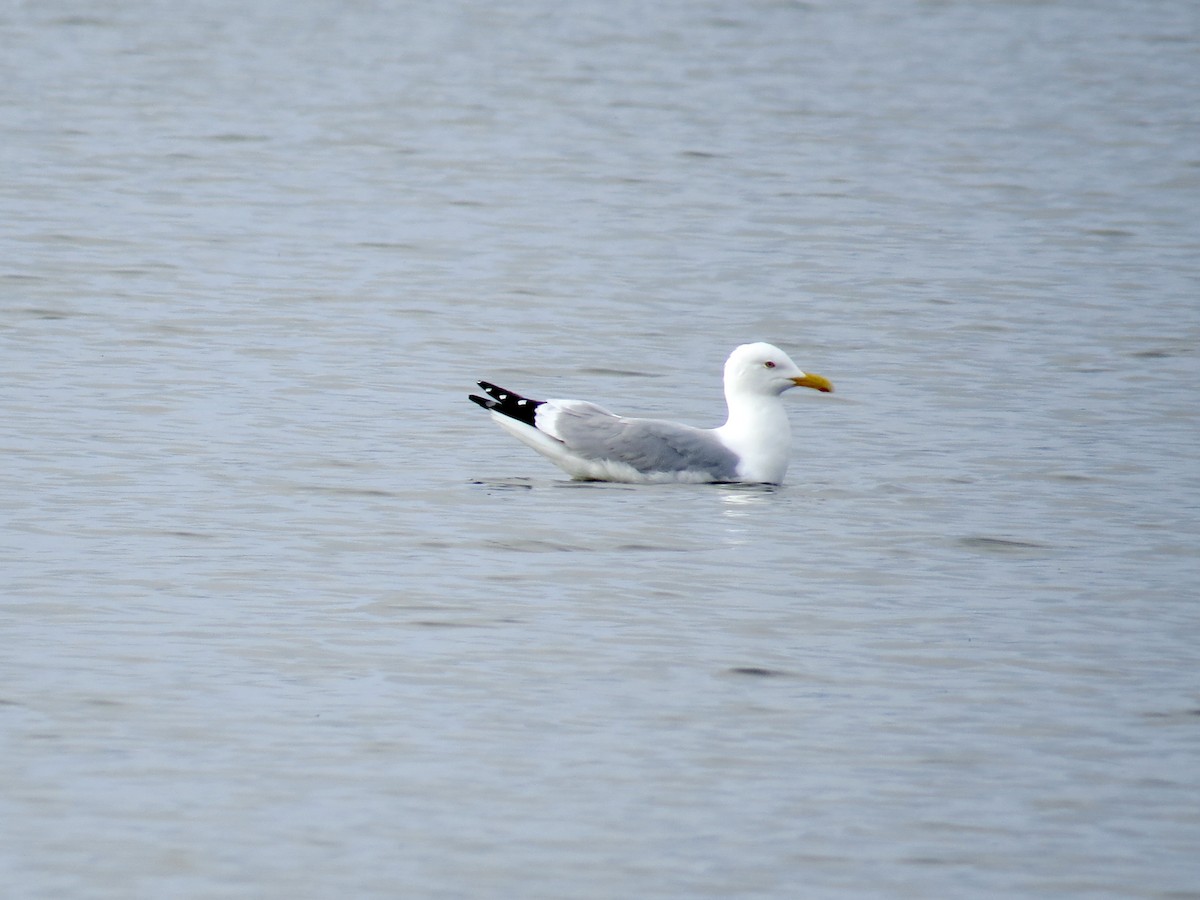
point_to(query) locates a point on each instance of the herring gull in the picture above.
(590, 443)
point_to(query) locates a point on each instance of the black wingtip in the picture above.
(507, 403)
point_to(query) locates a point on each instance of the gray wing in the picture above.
(648, 445)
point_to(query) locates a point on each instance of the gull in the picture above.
(590, 443)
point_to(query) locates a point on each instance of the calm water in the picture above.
(285, 616)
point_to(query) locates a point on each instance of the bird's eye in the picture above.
(769, 364)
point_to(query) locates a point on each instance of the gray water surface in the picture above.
(285, 616)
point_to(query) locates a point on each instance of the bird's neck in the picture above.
(757, 429)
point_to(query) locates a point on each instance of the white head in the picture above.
(765, 370)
